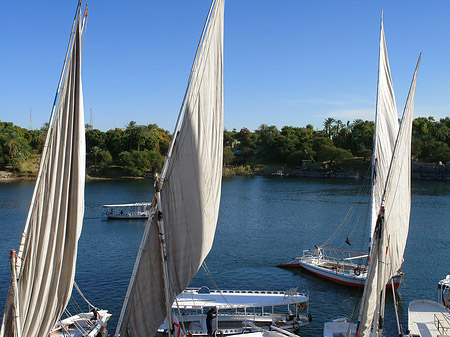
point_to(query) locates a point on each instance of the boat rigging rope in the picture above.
(75, 305)
(76, 324)
(353, 229)
(361, 194)
(340, 227)
(81, 294)
(205, 268)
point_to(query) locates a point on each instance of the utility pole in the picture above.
(30, 127)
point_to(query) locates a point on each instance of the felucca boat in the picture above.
(43, 269)
(184, 214)
(349, 267)
(393, 213)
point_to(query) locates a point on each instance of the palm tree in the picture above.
(142, 132)
(95, 150)
(328, 124)
(13, 145)
(131, 127)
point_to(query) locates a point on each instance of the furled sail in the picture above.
(47, 262)
(190, 195)
(393, 223)
(386, 130)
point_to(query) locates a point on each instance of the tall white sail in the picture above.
(392, 225)
(47, 261)
(386, 129)
(190, 195)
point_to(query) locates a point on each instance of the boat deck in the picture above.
(428, 319)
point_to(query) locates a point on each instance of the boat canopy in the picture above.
(137, 204)
(234, 299)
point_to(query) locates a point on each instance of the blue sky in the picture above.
(286, 62)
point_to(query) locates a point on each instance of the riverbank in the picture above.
(420, 171)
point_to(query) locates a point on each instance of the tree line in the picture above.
(136, 150)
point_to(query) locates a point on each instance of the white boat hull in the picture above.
(81, 325)
(338, 327)
(345, 275)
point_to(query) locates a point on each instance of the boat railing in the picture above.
(442, 323)
(337, 256)
(287, 293)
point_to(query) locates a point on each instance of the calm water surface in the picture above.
(262, 222)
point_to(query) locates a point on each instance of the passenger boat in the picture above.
(431, 318)
(139, 210)
(240, 311)
(280, 173)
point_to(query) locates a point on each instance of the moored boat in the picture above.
(339, 266)
(137, 211)
(392, 216)
(242, 311)
(431, 318)
(87, 324)
(344, 266)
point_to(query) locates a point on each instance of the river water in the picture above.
(262, 222)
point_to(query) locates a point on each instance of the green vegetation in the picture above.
(139, 150)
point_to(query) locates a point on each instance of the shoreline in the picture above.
(420, 171)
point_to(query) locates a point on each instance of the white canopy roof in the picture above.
(137, 204)
(226, 299)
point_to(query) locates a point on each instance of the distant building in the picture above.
(306, 163)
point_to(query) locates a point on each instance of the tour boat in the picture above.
(431, 318)
(240, 311)
(139, 210)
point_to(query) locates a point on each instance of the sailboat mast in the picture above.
(18, 331)
(399, 326)
(163, 249)
(374, 146)
(379, 310)
(47, 139)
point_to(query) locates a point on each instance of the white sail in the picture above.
(386, 129)
(190, 195)
(393, 223)
(46, 275)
